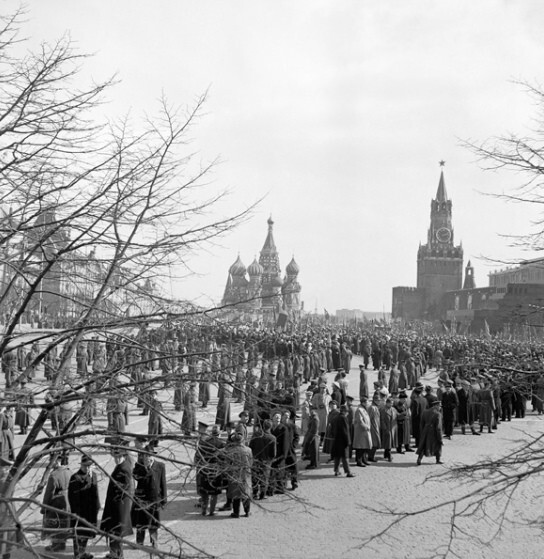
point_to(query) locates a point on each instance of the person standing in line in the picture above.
(388, 428)
(263, 447)
(310, 446)
(238, 460)
(340, 442)
(55, 506)
(150, 495)
(116, 516)
(84, 505)
(430, 443)
(374, 414)
(450, 403)
(362, 439)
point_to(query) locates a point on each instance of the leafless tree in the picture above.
(97, 217)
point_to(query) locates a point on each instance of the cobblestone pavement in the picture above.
(331, 516)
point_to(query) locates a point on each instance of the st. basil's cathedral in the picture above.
(259, 289)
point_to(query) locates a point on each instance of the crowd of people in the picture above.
(294, 392)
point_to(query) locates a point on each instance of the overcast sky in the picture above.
(338, 112)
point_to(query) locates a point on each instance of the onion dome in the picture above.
(238, 268)
(292, 268)
(255, 269)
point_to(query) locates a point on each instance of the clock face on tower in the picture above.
(443, 235)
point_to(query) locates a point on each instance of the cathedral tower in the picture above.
(439, 262)
(271, 276)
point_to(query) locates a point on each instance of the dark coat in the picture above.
(430, 442)
(84, 502)
(117, 508)
(150, 495)
(56, 496)
(310, 446)
(341, 438)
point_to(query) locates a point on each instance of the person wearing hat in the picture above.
(116, 516)
(487, 407)
(341, 441)
(84, 499)
(418, 405)
(310, 446)
(150, 495)
(363, 382)
(190, 402)
(56, 523)
(404, 423)
(328, 438)
(238, 463)
(430, 443)
(388, 428)
(208, 473)
(450, 403)
(24, 398)
(263, 447)
(305, 408)
(373, 410)
(320, 402)
(7, 439)
(362, 439)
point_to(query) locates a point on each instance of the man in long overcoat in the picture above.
(150, 495)
(55, 501)
(430, 442)
(84, 505)
(362, 439)
(388, 428)
(363, 382)
(341, 441)
(374, 414)
(238, 460)
(310, 446)
(116, 519)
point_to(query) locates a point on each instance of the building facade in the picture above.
(439, 265)
(260, 289)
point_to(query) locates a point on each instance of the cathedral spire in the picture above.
(441, 194)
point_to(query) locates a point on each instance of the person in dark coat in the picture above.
(310, 446)
(417, 406)
(341, 441)
(363, 382)
(116, 518)
(7, 453)
(430, 442)
(84, 505)
(24, 398)
(450, 402)
(291, 469)
(208, 472)
(263, 446)
(55, 500)
(277, 477)
(150, 495)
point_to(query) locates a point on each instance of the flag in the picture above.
(487, 333)
(327, 315)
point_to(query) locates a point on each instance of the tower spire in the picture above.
(441, 194)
